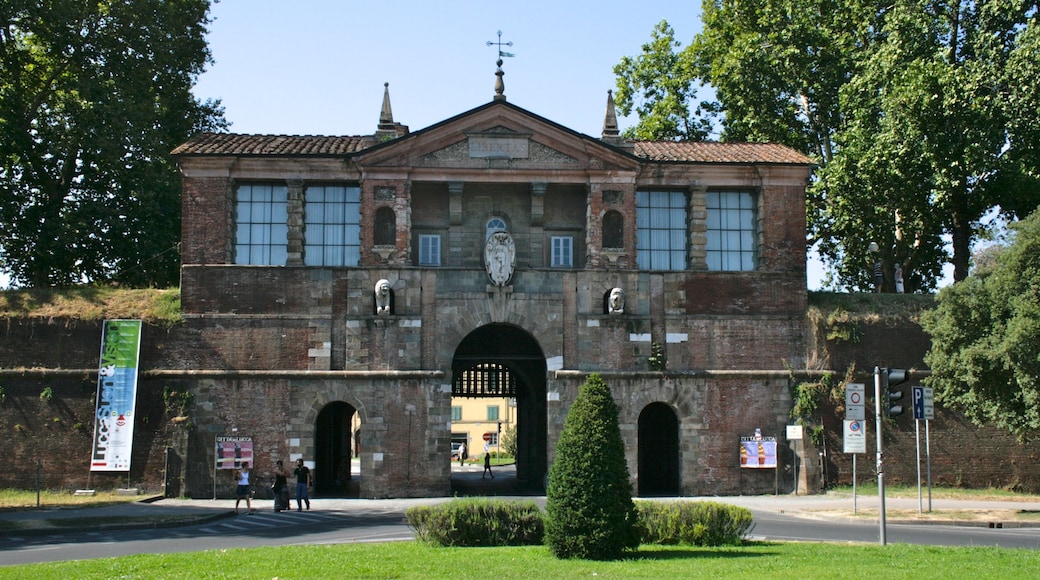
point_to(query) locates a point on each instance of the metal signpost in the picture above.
(855, 441)
(794, 433)
(855, 411)
(924, 409)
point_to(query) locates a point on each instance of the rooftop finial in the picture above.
(610, 127)
(386, 116)
(500, 86)
(387, 128)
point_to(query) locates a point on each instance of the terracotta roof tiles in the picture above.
(317, 145)
(235, 144)
(715, 152)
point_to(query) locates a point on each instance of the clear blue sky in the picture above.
(318, 66)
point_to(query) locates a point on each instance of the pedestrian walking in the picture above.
(487, 466)
(242, 488)
(303, 481)
(462, 453)
(280, 488)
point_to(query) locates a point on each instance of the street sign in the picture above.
(855, 437)
(794, 432)
(487, 436)
(924, 403)
(855, 393)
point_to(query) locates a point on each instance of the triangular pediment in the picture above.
(498, 136)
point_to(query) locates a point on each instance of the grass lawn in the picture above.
(21, 499)
(416, 560)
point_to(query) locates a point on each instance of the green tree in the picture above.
(588, 506)
(509, 441)
(922, 116)
(985, 356)
(93, 97)
(660, 85)
(928, 147)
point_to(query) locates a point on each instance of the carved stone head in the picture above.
(382, 292)
(616, 301)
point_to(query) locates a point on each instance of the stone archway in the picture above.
(332, 451)
(519, 363)
(658, 451)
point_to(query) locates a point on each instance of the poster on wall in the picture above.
(758, 452)
(116, 396)
(233, 451)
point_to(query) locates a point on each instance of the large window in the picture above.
(731, 230)
(562, 252)
(661, 230)
(261, 224)
(332, 232)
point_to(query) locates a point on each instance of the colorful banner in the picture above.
(233, 451)
(116, 396)
(758, 452)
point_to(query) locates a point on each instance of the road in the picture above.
(775, 526)
(263, 528)
(349, 522)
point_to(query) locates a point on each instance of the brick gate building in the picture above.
(494, 254)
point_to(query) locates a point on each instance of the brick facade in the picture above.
(286, 352)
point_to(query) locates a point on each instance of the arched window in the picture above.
(495, 225)
(613, 230)
(386, 227)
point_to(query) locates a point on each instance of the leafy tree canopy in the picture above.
(93, 97)
(660, 85)
(985, 356)
(921, 115)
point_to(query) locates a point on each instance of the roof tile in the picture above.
(318, 145)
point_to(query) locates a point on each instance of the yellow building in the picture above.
(472, 418)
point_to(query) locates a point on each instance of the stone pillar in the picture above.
(294, 208)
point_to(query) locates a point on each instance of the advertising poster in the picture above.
(758, 452)
(233, 451)
(116, 396)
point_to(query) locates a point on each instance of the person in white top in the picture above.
(242, 491)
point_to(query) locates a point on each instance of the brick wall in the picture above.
(211, 358)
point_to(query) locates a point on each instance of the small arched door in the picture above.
(332, 437)
(658, 451)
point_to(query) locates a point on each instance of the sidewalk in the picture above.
(153, 513)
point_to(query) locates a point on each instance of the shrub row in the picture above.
(478, 522)
(490, 522)
(693, 523)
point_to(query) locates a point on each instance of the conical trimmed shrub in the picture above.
(589, 508)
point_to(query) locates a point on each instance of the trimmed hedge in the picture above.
(589, 513)
(478, 522)
(491, 522)
(693, 523)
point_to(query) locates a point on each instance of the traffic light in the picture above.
(890, 379)
(499, 426)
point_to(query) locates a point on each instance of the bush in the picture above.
(478, 522)
(693, 523)
(589, 509)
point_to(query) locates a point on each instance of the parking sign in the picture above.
(924, 403)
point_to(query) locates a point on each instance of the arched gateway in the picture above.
(502, 360)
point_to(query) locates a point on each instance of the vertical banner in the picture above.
(116, 396)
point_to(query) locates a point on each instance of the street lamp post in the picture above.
(879, 275)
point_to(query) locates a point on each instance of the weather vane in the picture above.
(500, 44)
(500, 86)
